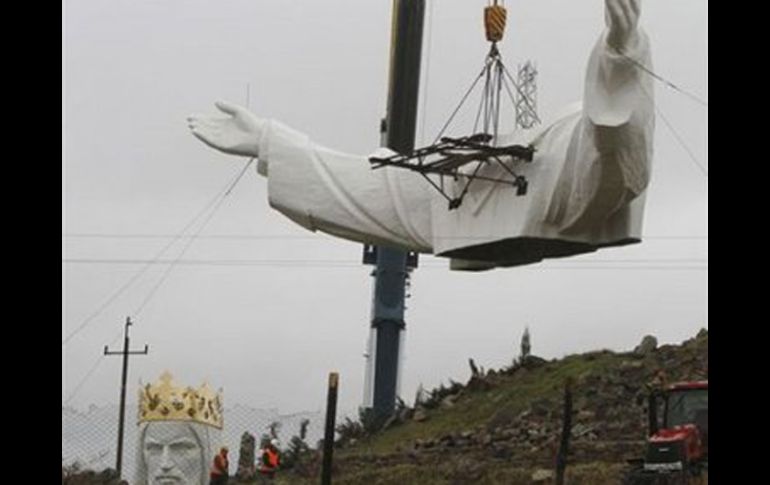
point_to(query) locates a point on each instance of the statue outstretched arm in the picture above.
(322, 189)
(607, 163)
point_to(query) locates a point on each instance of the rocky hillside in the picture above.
(503, 426)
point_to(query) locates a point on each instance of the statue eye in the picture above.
(183, 446)
(153, 448)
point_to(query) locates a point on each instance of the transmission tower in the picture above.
(526, 101)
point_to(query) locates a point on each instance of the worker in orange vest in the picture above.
(219, 469)
(269, 461)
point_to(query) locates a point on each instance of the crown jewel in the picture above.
(165, 402)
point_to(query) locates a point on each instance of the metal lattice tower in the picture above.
(526, 101)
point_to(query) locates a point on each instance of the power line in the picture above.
(355, 263)
(82, 325)
(184, 249)
(89, 373)
(166, 236)
(135, 277)
(160, 282)
(274, 236)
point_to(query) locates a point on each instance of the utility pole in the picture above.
(121, 419)
(393, 265)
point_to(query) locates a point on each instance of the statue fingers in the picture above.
(636, 7)
(228, 108)
(617, 16)
(628, 13)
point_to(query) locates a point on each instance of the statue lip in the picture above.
(167, 480)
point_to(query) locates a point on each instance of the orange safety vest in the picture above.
(220, 465)
(273, 460)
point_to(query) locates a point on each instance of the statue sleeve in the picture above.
(340, 194)
(608, 159)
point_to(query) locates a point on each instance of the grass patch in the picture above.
(511, 396)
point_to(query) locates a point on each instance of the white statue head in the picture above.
(173, 452)
(179, 429)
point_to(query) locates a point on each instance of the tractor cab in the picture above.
(678, 439)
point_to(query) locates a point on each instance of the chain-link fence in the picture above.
(89, 438)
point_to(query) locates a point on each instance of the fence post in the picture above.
(331, 412)
(561, 457)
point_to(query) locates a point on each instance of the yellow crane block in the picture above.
(494, 22)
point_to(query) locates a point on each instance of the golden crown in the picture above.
(166, 402)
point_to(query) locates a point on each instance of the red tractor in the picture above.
(677, 446)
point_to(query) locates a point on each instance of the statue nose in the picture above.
(165, 459)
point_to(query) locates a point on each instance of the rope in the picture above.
(142, 270)
(190, 241)
(677, 137)
(454, 113)
(665, 82)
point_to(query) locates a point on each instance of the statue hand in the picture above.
(621, 17)
(237, 134)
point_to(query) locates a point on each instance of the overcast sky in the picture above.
(269, 330)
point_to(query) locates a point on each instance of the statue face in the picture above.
(173, 454)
